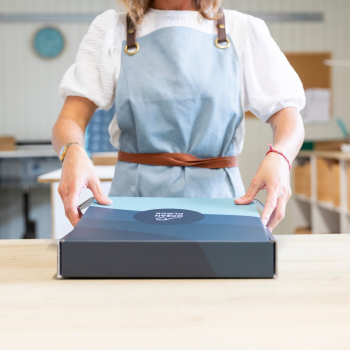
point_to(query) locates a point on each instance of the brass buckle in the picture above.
(130, 53)
(220, 46)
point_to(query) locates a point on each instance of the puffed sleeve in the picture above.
(270, 82)
(93, 73)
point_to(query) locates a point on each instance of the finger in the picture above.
(66, 212)
(71, 207)
(73, 219)
(253, 190)
(59, 190)
(278, 213)
(100, 197)
(64, 193)
(80, 213)
(271, 203)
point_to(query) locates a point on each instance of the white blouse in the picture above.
(268, 82)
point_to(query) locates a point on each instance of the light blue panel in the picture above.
(215, 206)
(96, 135)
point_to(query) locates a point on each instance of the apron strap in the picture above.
(130, 37)
(220, 23)
(178, 159)
(131, 34)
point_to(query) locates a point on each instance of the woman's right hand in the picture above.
(77, 173)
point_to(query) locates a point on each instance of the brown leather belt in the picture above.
(177, 159)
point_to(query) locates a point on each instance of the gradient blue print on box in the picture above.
(169, 238)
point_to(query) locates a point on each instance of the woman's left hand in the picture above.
(274, 176)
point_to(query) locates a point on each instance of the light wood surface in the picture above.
(325, 154)
(306, 307)
(104, 173)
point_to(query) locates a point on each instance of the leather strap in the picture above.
(220, 23)
(131, 30)
(178, 159)
(130, 33)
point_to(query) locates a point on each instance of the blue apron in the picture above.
(180, 94)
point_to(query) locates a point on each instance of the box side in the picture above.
(59, 275)
(167, 259)
(274, 242)
(241, 260)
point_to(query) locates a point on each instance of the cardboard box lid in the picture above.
(170, 219)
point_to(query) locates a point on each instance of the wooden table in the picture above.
(307, 307)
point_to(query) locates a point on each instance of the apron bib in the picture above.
(179, 93)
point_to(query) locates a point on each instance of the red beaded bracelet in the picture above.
(273, 150)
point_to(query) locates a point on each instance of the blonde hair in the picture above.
(137, 9)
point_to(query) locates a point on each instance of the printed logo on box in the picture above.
(163, 216)
(169, 216)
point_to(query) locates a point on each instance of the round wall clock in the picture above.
(48, 42)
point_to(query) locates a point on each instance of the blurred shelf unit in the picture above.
(321, 192)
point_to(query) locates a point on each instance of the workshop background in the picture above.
(30, 104)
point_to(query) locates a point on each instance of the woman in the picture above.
(180, 83)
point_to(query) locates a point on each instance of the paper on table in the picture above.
(317, 109)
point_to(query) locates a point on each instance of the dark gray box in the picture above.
(169, 238)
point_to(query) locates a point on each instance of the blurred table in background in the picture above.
(20, 169)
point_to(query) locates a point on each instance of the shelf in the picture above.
(324, 205)
(324, 154)
(323, 216)
(329, 206)
(302, 197)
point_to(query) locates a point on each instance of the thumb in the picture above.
(100, 197)
(250, 194)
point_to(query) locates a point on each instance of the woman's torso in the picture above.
(267, 83)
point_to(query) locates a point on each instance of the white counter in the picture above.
(34, 151)
(104, 173)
